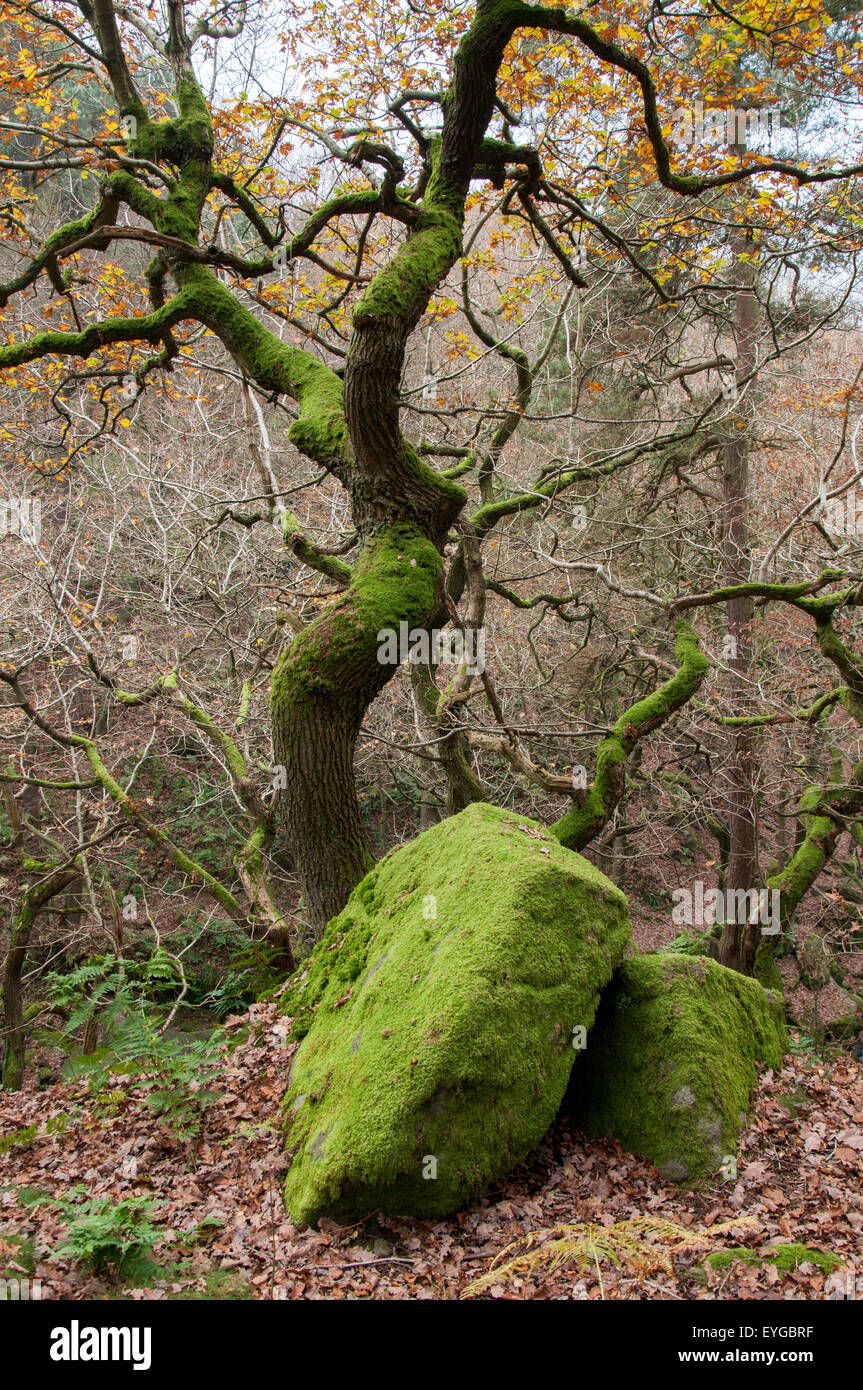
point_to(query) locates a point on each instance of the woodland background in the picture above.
(648, 394)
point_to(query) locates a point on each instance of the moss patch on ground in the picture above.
(438, 1014)
(786, 1258)
(673, 1058)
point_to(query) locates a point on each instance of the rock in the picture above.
(672, 1059)
(439, 1012)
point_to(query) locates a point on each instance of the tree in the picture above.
(164, 184)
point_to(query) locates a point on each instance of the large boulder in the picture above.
(439, 1012)
(672, 1059)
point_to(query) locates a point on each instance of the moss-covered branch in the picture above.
(579, 826)
(566, 21)
(553, 483)
(824, 810)
(147, 328)
(325, 679)
(821, 831)
(559, 602)
(799, 595)
(299, 544)
(130, 808)
(811, 714)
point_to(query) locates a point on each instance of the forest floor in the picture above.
(223, 1232)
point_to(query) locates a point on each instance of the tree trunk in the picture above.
(740, 940)
(31, 905)
(324, 682)
(402, 509)
(317, 743)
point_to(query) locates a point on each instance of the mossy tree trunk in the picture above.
(579, 826)
(403, 510)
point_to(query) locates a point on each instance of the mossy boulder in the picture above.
(672, 1060)
(438, 1014)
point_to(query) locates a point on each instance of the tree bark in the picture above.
(739, 941)
(32, 903)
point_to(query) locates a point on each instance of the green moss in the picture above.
(795, 880)
(394, 578)
(736, 1254)
(797, 1101)
(578, 827)
(393, 581)
(220, 1285)
(148, 328)
(673, 1058)
(295, 539)
(437, 1015)
(765, 970)
(786, 1258)
(19, 1256)
(251, 857)
(336, 962)
(401, 290)
(321, 430)
(416, 467)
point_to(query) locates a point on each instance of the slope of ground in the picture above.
(224, 1232)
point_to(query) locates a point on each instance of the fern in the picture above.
(584, 1245)
(179, 1077)
(110, 1237)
